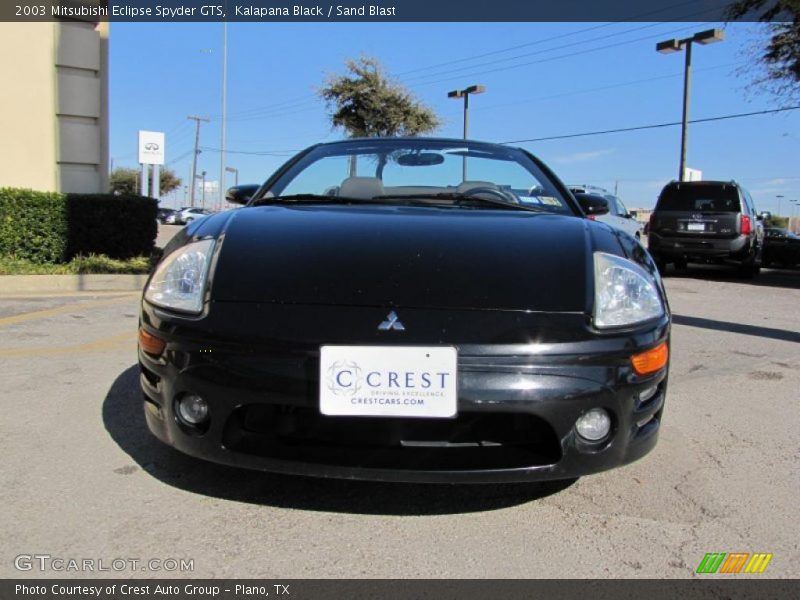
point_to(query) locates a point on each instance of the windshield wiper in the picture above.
(311, 199)
(461, 198)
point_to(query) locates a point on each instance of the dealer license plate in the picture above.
(388, 381)
(696, 226)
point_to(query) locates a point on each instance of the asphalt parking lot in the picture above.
(82, 478)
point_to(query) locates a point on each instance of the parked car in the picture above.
(701, 221)
(618, 216)
(187, 215)
(781, 246)
(403, 326)
(163, 214)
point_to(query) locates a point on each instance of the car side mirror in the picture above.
(628, 216)
(240, 194)
(592, 205)
(764, 216)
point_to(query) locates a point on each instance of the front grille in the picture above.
(471, 441)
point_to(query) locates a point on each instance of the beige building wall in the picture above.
(54, 110)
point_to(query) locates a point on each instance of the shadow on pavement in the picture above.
(765, 332)
(123, 417)
(781, 278)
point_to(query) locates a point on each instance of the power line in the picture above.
(653, 126)
(600, 88)
(181, 157)
(581, 42)
(277, 109)
(552, 58)
(545, 40)
(255, 152)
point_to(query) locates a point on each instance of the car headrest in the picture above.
(361, 187)
(465, 186)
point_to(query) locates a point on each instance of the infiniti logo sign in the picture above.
(152, 146)
(392, 322)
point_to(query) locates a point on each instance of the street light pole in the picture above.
(235, 172)
(224, 125)
(779, 204)
(687, 89)
(669, 46)
(465, 93)
(203, 175)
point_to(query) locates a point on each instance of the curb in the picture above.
(49, 284)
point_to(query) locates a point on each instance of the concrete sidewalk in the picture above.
(14, 285)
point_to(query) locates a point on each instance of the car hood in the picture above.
(404, 257)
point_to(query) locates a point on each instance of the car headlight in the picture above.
(180, 280)
(624, 293)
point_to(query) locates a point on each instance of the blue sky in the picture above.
(542, 79)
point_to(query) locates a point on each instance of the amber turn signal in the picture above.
(651, 360)
(150, 343)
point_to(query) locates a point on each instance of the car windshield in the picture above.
(701, 198)
(437, 172)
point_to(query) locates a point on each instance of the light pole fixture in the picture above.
(235, 172)
(779, 196)
(465, 93)
(704, 38)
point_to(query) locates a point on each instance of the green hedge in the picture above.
(48, 227)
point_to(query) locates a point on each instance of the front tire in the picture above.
(751, 266)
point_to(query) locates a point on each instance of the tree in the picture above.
(366, 103)
(781, 57)
(126, 181)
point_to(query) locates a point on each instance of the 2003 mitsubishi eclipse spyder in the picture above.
(407, 309)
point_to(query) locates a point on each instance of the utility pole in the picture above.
(197, 121)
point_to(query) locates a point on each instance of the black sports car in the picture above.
(781, 246)
(407, 309)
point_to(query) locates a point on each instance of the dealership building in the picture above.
(54, 110)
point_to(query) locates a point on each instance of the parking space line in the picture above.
(51, 312)
(107, 343)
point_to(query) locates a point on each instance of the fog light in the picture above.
(192, 409)
(593, 425)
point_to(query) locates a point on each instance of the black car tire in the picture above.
(751, 266)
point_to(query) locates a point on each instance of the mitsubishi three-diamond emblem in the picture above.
(391, 322)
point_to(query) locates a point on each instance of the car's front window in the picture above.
(392, 171)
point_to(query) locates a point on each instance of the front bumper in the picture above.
(517, 407)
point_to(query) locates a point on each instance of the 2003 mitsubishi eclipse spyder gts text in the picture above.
(407, 309)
